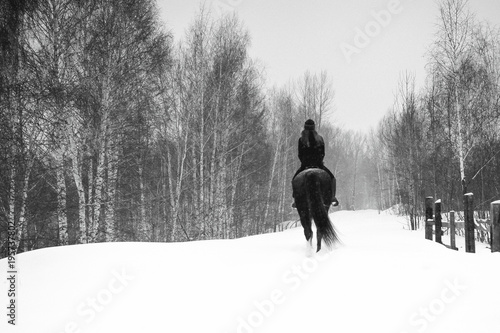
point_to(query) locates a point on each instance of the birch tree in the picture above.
(452, 51)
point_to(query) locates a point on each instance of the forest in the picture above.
(443, 140)
(112, 130)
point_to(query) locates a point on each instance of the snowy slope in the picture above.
(381, 279)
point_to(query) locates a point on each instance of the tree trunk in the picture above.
(110, 194)
(76, 170)
(22, 227)
(234, 185)
(461, 156)
(62, 217)
(143, 233)
(165, 175)
(286, 180)
(214, 174)
(271, 179)
(173, 197)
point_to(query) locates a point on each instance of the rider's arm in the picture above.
(300, 151)
(321, 148)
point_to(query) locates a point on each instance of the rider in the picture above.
(312, 152)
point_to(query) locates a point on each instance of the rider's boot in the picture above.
(335, 202)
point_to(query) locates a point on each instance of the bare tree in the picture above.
(452, 51)
(314, 96)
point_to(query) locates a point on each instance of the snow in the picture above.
(382, 278)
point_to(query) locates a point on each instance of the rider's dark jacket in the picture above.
(311, 153)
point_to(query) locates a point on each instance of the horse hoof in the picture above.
(309, 250)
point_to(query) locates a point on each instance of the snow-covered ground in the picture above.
(382, 278)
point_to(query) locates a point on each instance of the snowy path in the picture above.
(381, 279)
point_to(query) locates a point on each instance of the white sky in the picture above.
(290, 37)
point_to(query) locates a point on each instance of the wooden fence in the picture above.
(484, 230)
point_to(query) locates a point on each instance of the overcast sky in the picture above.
(364, 45)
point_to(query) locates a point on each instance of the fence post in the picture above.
(428, 218)
(470, 242)
(495, 226)
(452, 230)
(437, 221)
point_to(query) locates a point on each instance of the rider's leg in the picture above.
(334, 185)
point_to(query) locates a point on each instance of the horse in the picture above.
(313, 195)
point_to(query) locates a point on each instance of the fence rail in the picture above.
(484, 230)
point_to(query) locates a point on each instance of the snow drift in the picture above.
(382, 278)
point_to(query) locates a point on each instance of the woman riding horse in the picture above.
(312, 152)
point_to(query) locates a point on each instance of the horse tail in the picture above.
(319, 211)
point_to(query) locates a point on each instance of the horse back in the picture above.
(316, 178)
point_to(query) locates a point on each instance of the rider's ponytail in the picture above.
(309, 134)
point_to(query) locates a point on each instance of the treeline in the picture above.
(444, 140)
(111, 131)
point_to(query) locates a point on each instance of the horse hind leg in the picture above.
(305, 220)
(309, 239)
(319, 236)
(309, 234)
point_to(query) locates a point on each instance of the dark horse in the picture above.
(313, 195)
